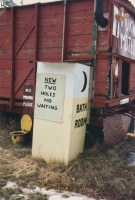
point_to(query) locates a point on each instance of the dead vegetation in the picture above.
(96, 174)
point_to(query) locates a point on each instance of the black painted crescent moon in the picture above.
(85, 82)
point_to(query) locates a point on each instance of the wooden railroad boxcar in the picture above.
(99, 33)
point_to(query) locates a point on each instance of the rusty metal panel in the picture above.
(115, 129)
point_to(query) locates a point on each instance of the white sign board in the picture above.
(58, 84)
(126, 36)
(49, 99)
(81, 81)
(124, 101)
(115, 22)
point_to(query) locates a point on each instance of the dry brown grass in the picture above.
(93, 173)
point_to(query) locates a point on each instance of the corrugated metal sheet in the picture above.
(115, 129)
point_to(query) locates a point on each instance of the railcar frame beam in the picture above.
(12, 61)
(35, 52)
(64, 31)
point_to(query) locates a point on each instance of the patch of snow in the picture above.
(15, 196)
(11, 185)
(131, 158)
(59, 197)
(28, 191)
(51, 194)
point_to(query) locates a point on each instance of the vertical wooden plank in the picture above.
(93, 63)
(112, 78)
(119, 77)
(131, 78)
(93, 50)
(12, 60)
(35, 50)
(64, 30)
(110, 22)
(129, 88)
(111, 83)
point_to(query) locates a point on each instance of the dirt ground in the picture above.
(96, 174)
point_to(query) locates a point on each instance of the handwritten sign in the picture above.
(49, 99)
(126, 37)
(28, 96)
(79, 109)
